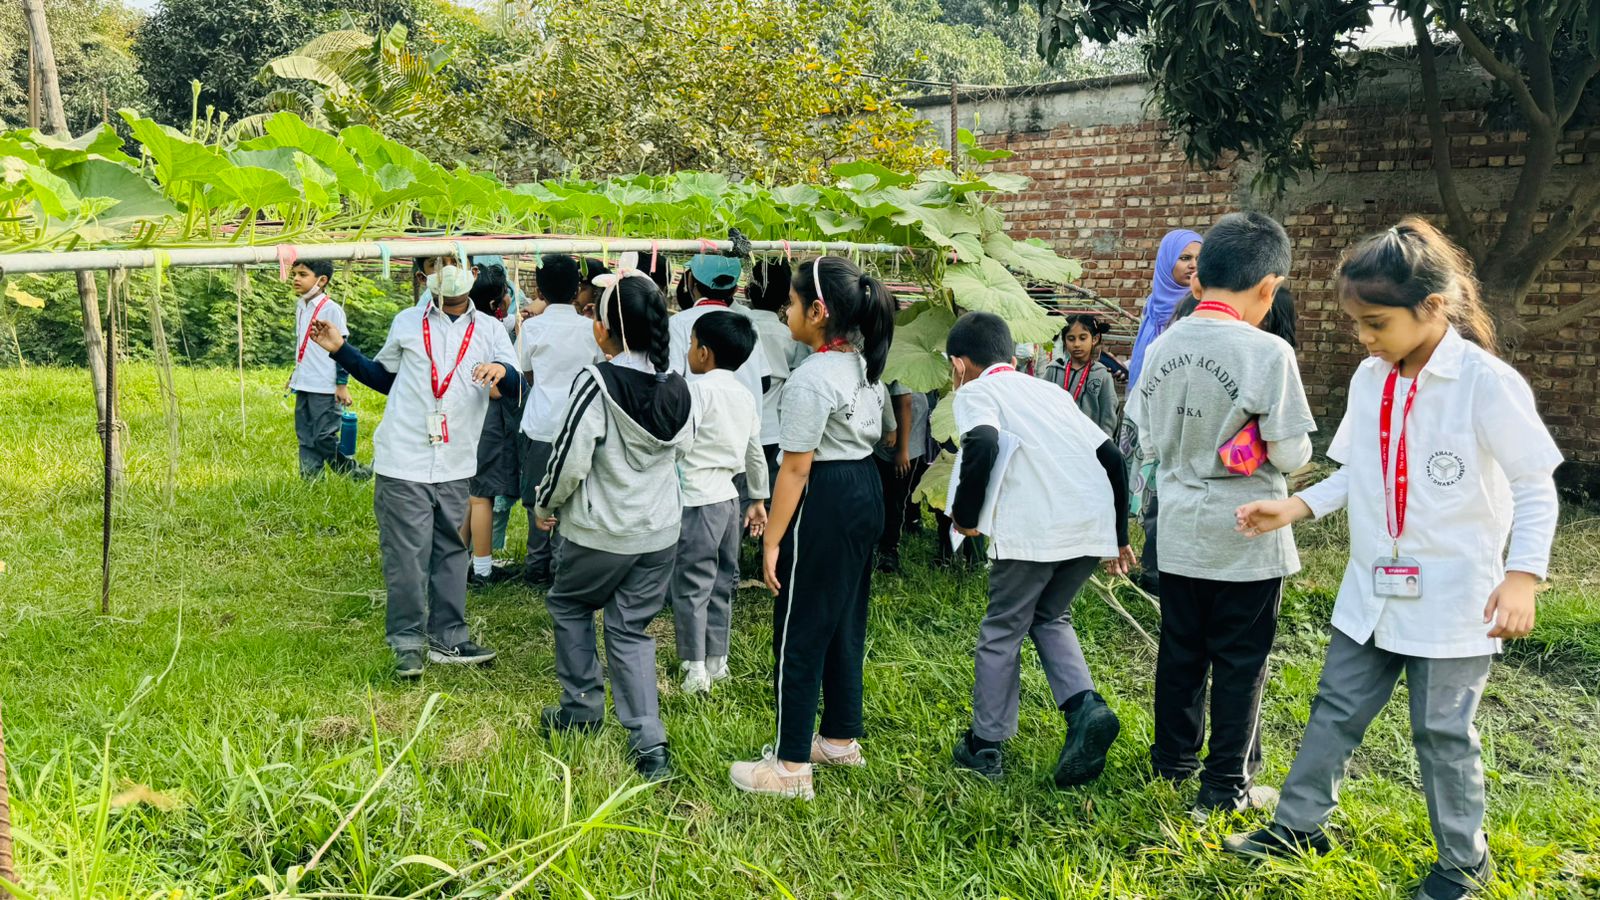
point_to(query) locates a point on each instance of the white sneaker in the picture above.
(717, 668)
(826, 754)
(1259, 796)
(769, 776)
(695, 679)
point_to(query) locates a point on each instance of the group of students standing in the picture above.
(649, 442)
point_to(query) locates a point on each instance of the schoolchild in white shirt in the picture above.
(612, 482)
(1447, 474)
(1058, 511)
(726, 442)
(318, 382)
(827, 513)
(713, 281)
(437, 368)
(553, 347)
(768, 292)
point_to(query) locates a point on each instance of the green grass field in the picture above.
(210, 733)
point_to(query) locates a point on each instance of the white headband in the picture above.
(627, 267)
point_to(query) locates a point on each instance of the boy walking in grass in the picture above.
(1050, 490)
(317, 381)
(726, 426)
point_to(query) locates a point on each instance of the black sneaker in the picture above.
(1256, 797)
(889, 563)
(465, 653)
(497, 575)
(1091, 730)
(1440, 885)
(986, 762)
(654, 764)
(1276, 842)
(554, 718)
(541, 580)
(409, 663)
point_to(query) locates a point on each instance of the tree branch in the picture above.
(1501, 70)
(1536, 47)
(1573, 314)
(1579, 210)
(1439, 136)
(1569, 103)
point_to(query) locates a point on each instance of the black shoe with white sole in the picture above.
(409, 663)
(1276, 842)
(554, 718)
(1449, 883)
(985, 761)
(654, 763)
(1091, 730)
(465, 653)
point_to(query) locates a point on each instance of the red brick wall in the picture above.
(1106, 194)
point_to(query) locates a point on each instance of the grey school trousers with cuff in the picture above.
(316, 427)
(1357, 682)
(424, 560)
(1032, 599)
(631, 589)
(543, 546)
(704, 579)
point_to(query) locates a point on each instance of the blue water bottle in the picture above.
(347, 434)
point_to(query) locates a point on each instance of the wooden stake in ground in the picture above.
(43, 54)
(117, 282)
(8, 869)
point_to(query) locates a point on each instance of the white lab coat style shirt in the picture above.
(1054, 501)
(783, 353)
(681, 326)
(315, 372)
(554, 347)
(1478, 457)
(726, 442)
(400, 447)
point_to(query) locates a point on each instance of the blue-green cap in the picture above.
(717, 272)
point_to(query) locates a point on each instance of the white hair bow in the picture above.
(627, 267)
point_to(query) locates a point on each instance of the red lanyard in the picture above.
(996, 369)
(1214, 306)
(709, 302)
(1396, 519)
(433, 368)
(301, 354)
(1082, 382)
(837, 344)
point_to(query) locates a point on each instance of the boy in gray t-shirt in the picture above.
(1205, 379)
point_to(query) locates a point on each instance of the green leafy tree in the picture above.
(1246, 76)
(93, 42)
(355, 79)
(223, 44)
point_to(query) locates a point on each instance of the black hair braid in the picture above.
(656, 318)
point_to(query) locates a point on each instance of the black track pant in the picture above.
(819, 619)
(1226, 629)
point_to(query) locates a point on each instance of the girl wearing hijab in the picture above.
(1176, 262)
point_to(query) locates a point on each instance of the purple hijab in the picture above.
(1165, 295)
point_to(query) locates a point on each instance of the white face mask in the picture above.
(958, 371)
(450, 281)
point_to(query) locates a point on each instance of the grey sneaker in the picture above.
(1276, 842)
(986, 762)
(465, 653)
(1258, 797)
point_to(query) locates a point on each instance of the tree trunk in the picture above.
(88, 295)
(1501, 297)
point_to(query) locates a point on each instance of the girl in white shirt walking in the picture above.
(1443, 458)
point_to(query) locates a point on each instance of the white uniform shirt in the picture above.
(1054, 501)
(314, 373)
(554, 347)
(726, 442)
(681, 326)
(1476, 448)
(783, 353)
(400, 447)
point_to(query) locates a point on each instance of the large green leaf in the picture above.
(934, 486)
(258, 188)
(942, 422)
(101, 141)
(1037, 260)
(53, 194)
(881, 175)
(134, 199)
(178, 157)
(916, 358)
(987, 287)
(289, 130)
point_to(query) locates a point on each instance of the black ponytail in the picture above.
(1409, 263)
(637, 314)
(860, 308)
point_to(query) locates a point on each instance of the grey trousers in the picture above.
(424, 560)
(543, 546)
(704, 579)
(631, 589)
(1032, 599)
(316, 426)
(1357, 681)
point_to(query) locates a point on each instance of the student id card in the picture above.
(1397, 578)
(438, 428)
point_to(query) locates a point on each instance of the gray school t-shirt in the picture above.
(1202, 381)
(829, 408)
(917, 439)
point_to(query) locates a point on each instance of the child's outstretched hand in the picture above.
(755, 519)
(1123, 563)
(1263, 516)
(1511, 606)
(326, 336)
(488, 374)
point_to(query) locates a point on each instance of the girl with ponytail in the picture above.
(612, 487)
(827, 514)
(1447, 472)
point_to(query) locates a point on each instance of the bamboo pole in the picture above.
(8, 869)
(185, 257)
(115, 282)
